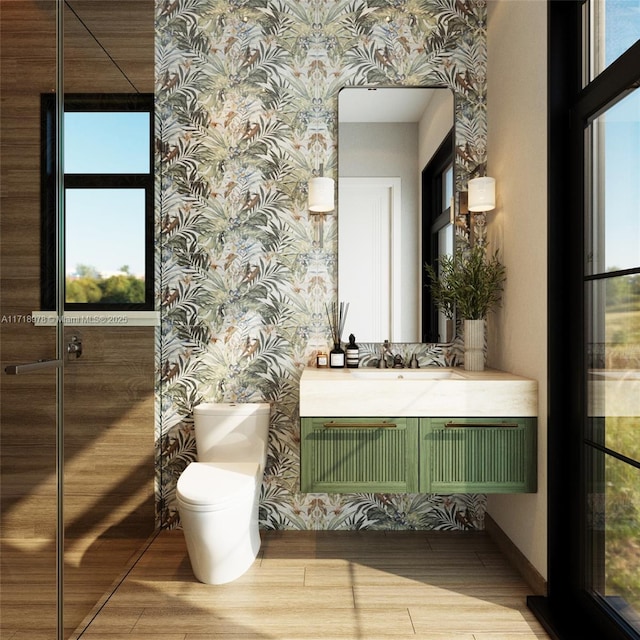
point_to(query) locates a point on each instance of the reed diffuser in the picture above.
(337, 316)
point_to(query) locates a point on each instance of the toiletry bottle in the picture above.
(321, 360)
(353, 353)
(336, 356)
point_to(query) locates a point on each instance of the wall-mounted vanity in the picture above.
(434, 430)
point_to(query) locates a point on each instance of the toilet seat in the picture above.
(207, 486)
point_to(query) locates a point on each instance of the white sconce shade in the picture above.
(321, 195)
(481, 194)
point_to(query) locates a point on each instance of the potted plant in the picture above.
(470, 284)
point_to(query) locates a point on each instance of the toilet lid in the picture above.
(216, 484)
(232, 408)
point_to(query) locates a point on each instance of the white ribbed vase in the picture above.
(474, 345)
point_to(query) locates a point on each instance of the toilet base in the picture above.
(222, 544)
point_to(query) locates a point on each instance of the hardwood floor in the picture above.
(311, 585)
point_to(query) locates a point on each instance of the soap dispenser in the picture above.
(353, 353)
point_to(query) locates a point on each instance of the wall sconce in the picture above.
(481, 194)
(321, 199)
(481, 197)
(321, 194)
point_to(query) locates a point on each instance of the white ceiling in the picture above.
(389, 104)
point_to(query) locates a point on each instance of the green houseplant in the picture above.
(469, 283)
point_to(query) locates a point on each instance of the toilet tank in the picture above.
(231, 432)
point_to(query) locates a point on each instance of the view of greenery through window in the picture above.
(88, 285)
(615, 161)
(622, 506)
(621, 490)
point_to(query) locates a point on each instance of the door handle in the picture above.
(480, 425)
(38, 365)
(360, 425)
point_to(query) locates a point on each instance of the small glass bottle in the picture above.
(321, 360)
(337, 357)
(353, 353)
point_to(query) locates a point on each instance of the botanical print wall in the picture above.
(246, 103)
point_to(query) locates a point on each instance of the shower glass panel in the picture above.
(28, 436)
(108, 390)
(77, 438)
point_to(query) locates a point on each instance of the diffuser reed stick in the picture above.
(337, 316)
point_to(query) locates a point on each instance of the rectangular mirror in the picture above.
(393, 207)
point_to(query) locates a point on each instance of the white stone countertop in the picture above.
(346, 392)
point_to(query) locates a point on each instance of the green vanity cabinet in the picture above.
(371, 455)
(418, 455)
(478, 455)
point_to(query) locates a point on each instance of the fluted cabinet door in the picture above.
(478, 455)
(346, 455)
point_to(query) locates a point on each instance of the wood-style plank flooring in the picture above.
(322, 585)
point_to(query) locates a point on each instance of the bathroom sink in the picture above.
(434, 373)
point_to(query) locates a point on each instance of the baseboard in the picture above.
(519, 561)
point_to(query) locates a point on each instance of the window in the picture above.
(594, 320)
(108, 201)
(437, 234)
(612, 27)
(612, 344)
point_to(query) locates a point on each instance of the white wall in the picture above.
(517, 158)
(435, 124)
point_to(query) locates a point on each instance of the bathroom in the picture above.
(240, 288)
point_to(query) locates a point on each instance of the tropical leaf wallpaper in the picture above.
(246, 103)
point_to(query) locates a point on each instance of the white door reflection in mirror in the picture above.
(369, 228)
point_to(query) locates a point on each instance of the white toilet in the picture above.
(218, 495)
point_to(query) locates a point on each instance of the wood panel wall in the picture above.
(108, 392)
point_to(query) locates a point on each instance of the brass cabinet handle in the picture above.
(471, 425)
(360, 425)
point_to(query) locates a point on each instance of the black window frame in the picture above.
(433, 219)
(569, 611)
(92, 102)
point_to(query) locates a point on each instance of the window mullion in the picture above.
(604, 90)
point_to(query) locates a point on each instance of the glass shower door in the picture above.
(108, 385)
(77, 432)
